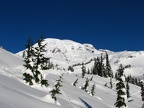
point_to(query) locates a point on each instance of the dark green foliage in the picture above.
(44, 82)
(35, 62)
(70, 68)
(99, 68)
(28, 57)
(85, 87)
(108, 67)
(74, 84)
(142, 90)
(93, 90)
(102, 68)
(108, 70)
(28, 78)
(56, 90)
(120, 86)
(127, 66)
(95, 68)
(83, 70)
(133, 80)
(91, 78)
(41, 62)
(127, 90)
(111, 85)
(116, 75)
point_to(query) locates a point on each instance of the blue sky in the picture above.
(116, 25)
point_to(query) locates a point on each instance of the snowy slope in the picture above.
(14, 93)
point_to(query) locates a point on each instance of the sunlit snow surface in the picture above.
(14, 93)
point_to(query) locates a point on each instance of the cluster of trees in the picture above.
(100, 69)
(133, 80)
(35, 63)
(86, 85)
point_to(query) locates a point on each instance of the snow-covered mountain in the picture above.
(15, 93)
(66, 53)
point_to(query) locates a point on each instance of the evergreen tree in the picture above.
(116, 75)
(121, 90)
(85, 87)
(41, 63)
(95, 68)
(142, 90)
(83, 70)
(28, 60)
(74, 84)
(111, 85)
(108, 67)
(91, 78)
(35, 63)
(109, 70)
(56, 90)
(93, 90)
(101, 70)
(127, 90)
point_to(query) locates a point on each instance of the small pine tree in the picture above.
(121, 90)
(109, 70)
(91, 78)
(85, 87)
(93, 90)
(76, 81)
(108, 67)
(83, 70)
(41, 63)
(127, 90)
(142, 90)
(95, 67)
(102, 68)
(116, 75)
(111, 85)
(56, 90)
(28, 63)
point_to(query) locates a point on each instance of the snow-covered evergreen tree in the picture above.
(142, 90)
(85, 86)
(95, 67)
(83, 70)
(99, 68)
(93, 90)
(108, 70)
(127, 91)
(28, 63)
(35, 63)
(41, 63)
(121, 101)
(102, 71)
(108, 67)
(56, 90)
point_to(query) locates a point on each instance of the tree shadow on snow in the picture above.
(85, 103)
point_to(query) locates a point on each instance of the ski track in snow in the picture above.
(8, 103)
